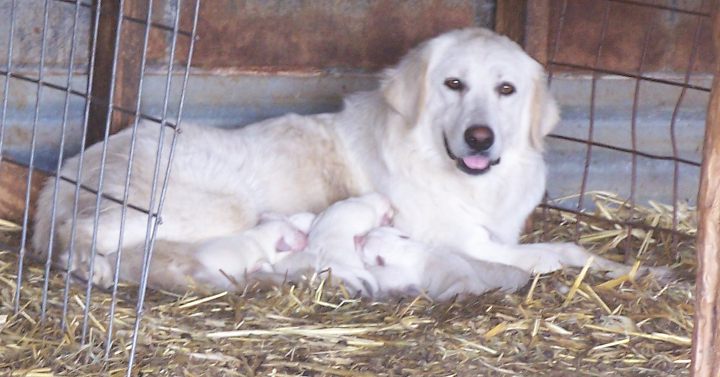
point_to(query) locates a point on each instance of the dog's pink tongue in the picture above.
(476, 162)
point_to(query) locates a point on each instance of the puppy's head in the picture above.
(381, 206)
(474, 95)
(281, 234)
(384, 246)
(302, 221)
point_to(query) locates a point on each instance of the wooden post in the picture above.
(706, 336)
(510, 19)
(14, 175)
(527, 23)
(537, 30)
(127, 70)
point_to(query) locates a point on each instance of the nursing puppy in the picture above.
(453, 137)
(402, 265)
(331, 244)
(223, 263)
(331, 241)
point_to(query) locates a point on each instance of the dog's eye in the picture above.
(506, 89)
(455, 84)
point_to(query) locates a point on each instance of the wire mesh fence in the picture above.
(655, 137)
(96, 61)
(88, 81)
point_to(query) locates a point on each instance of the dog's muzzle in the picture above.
(473, 164)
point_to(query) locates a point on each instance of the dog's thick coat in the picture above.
(407, 140)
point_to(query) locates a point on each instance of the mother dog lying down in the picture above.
(453, 137)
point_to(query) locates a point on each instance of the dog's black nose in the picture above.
(479, 138)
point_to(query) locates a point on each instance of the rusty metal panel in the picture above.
(671, 35)
(28, 34)
(282, 35)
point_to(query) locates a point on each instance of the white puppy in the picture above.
(292, 265)
(223, 263)
(331, 240)
(406, 266)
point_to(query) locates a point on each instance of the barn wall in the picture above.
(670, 41)
(258, 58)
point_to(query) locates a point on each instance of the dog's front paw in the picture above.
(103, 271)
(546, 264)
(555, 256)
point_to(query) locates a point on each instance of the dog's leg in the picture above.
(106, 243)
(548, 257)
(81, 254)
(572, 255)
(173, 266)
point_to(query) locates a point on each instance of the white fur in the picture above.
(332, 237)
(331, 241)
(403, 265)
(222, 263)
(390, 140)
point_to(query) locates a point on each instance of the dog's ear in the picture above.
(404, 86)
(544, 113)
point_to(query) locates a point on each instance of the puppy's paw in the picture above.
(358, 280)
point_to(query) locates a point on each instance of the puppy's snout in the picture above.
(479, 137)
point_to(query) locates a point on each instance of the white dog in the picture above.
(403, 265)
(453, 137)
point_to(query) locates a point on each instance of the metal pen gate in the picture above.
(110, 95)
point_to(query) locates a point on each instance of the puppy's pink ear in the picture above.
(281, 245)
(298, 242)
(404, 86)
(387, 219)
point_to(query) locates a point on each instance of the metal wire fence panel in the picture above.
(620, 127)
(82, 69)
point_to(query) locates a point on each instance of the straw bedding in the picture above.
(569, 323)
